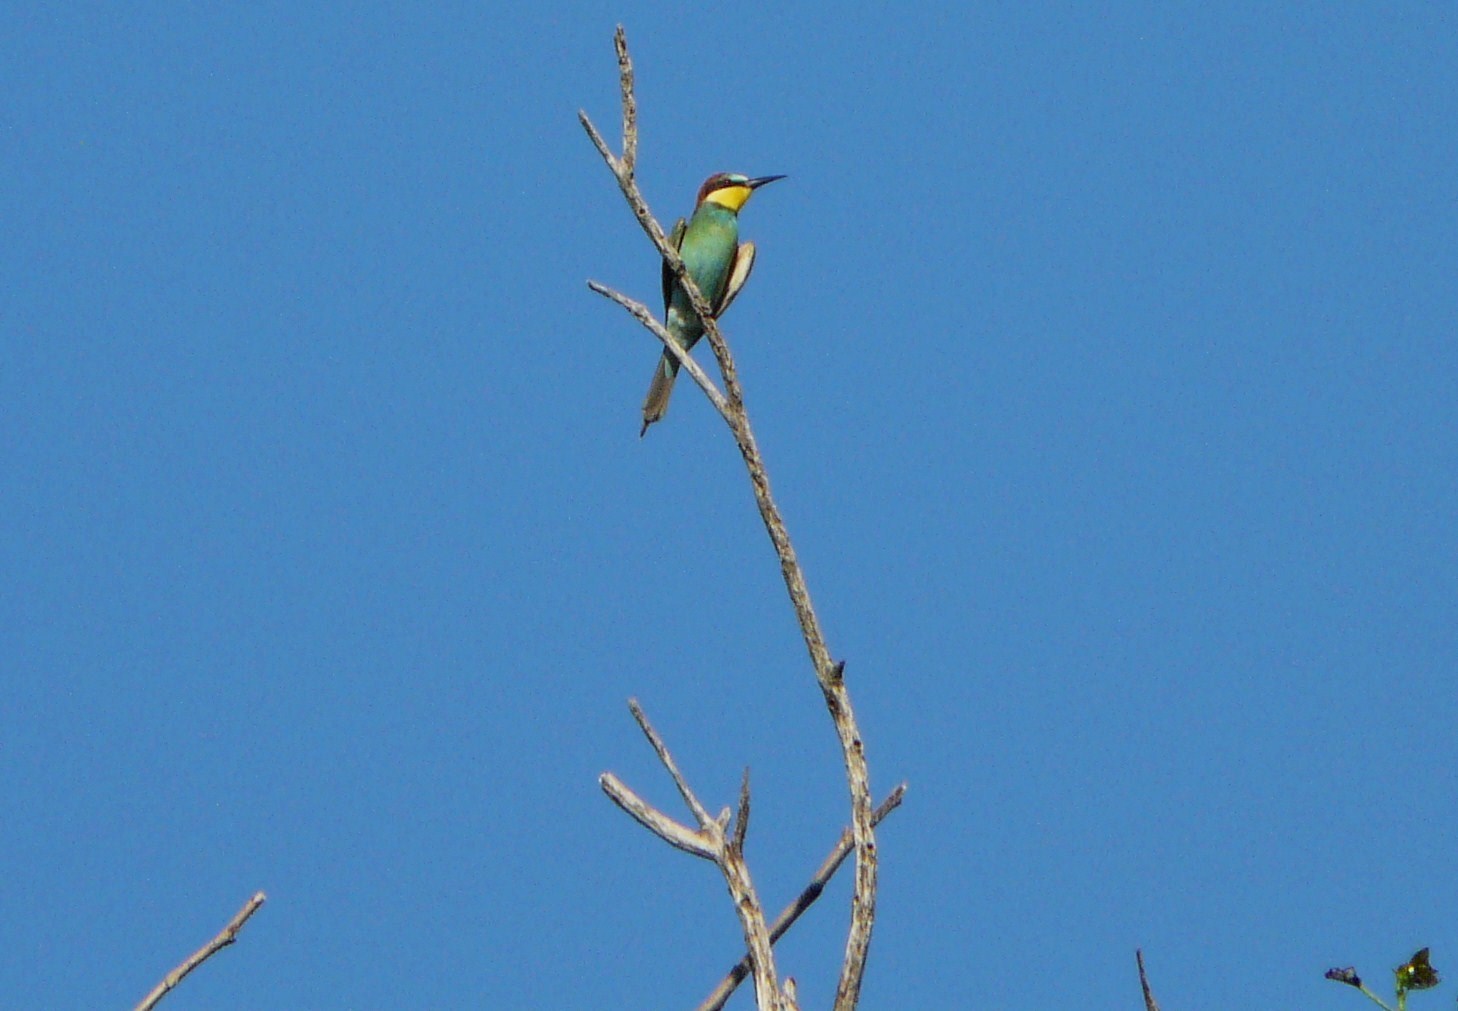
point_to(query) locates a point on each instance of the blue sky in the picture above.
(1104, 363)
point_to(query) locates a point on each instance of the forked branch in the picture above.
(712, 841)
(828, 673)
(800, 903)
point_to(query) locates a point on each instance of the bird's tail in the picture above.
(655, 405)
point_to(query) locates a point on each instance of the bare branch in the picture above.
(756, 935)
(225, 937)
(630, 104)
(700, 814)
(674, 833)
(709, 842)
(829, 675)
(741, 818)
(1150, 1004)
(598, 142)
(625, 167)
(801, 902)
(624, 174)
(640, 312)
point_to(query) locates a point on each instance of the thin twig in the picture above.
(630, 104)
(741, 818)
(640, 312)
(225, 937)
(1150, 1004)
(801, 902)
(700, 814)
(674, 833)
(598, 142)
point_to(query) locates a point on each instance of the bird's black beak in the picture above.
(755, 184)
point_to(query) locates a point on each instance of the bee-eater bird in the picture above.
(718, 263)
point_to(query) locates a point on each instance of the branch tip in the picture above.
(224, 937)
(741, 820)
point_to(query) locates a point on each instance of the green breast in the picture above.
(708, 250)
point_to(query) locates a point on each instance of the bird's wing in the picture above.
(675, 239)
(738, 274)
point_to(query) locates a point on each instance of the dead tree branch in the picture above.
(712, 842)
(1150, 1004)
(801, 902)
(828, 673)
(225, 937)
